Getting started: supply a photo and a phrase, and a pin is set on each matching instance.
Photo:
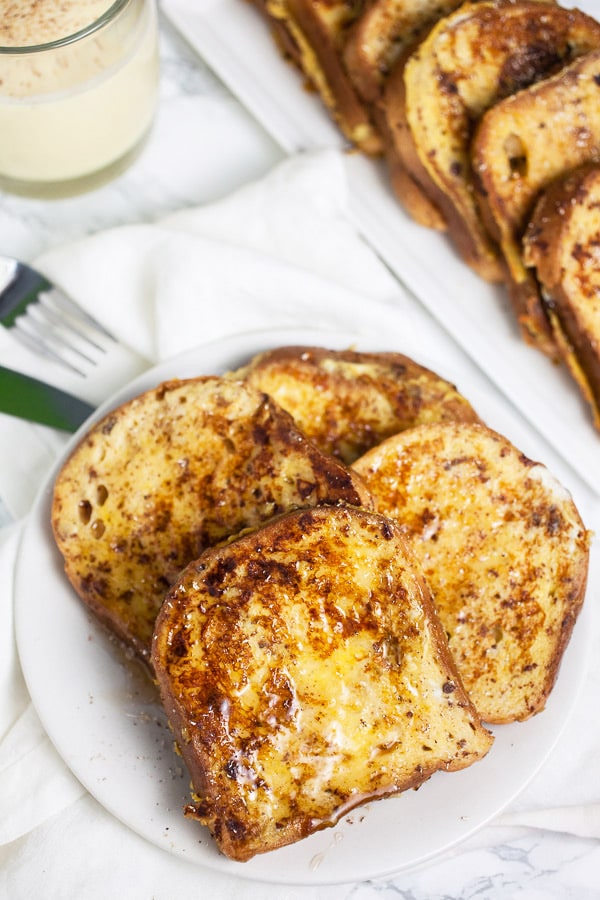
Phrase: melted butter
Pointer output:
(340, 693)
(343, 730)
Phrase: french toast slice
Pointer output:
(561, 247)
(520, 146)
(282, 34)
(312, 34)
(472, 58)
(503, 549)
(169, 473)
(377, 44)
(304, 671)
(382, 33)
(346, 401)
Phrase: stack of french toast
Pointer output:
(337, 574)
(480, 109)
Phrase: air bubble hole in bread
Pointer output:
(555, 125)
(472, 58)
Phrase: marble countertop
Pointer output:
(177, 169)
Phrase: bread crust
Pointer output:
(471, 59)
(312, 33)
(347, 401)
(169, 473)
(376, 48)
(503, 549)
(514, 160)
(406, 186)
(382, 33)
(305, 672)
(561, 247)
(282, 35)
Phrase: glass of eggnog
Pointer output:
(78, 89)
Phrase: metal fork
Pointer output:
(47, 321)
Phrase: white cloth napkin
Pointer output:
(279, 252)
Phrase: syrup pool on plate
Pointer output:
(78, 87)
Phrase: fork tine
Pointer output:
(43, 312)
(66, 343)
(47, 320)
(56, 323)
(64, 302)
(33, 342)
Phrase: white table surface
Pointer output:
(185, 164)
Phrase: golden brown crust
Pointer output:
(282, 35)
(405, 184)
(378, 45)
(503, 550)
(169, 473)
(431, 76)
(304, 671)
(382, 33)
(515, 157)
(561, 246)
(316, 30)
(469, 61)
(347, 401)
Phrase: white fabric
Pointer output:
(279, 252)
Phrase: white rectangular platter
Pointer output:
(234, 40)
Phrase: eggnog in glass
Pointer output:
(78, 88)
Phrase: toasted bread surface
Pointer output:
(473, 57)
(169, 473)
(561, 245)
(503, 549)
(317, 30)
(382, 33)
(347, 401)
(521, 145)
(304, 671)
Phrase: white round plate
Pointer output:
(102, 715)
